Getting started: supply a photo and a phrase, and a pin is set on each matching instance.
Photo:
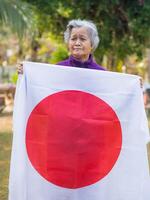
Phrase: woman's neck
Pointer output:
(81, 59)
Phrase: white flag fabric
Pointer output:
(79, 134)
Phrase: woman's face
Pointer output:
(79, 44)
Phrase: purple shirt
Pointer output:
(89, 64)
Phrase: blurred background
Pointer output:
(33, 31)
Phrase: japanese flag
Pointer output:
(79, 134)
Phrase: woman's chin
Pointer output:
(77, 56)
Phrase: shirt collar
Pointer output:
(77, 63)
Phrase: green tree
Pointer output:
(14, 14)
(123, 24)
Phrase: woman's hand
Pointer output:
(20, 68)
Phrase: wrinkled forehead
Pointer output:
(82, 31)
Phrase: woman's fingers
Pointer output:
(20, 68)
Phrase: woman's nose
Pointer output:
(78, 42)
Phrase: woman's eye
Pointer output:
(73, 39)
(83, 39)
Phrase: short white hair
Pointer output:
(91, 28)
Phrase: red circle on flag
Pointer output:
(73, 138)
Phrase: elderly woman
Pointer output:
(82, 39)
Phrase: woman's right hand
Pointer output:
(20, 68)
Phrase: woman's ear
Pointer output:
(92, 49)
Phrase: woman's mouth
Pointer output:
(77, 49)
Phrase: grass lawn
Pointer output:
(5, 149)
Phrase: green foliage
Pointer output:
(119, 66)
(14, 77)
(16, 15)
(59, 54)
(123, 24)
